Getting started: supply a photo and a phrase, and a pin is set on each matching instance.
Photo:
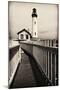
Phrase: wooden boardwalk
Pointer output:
(26, 77)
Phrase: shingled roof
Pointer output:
(25, 31)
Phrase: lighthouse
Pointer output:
(34, 24)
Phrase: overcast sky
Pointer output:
(20, 17)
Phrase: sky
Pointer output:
(19, 17)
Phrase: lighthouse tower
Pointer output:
(34, 24)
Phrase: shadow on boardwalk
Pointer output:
(28, 74)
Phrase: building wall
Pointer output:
(24, 36)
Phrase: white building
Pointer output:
(24, 35)
(34, 24)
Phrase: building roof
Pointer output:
(25, 31)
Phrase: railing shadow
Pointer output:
(40, 77)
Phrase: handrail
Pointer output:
(45, 56)
(11, 47)
(39, 68)
(14, 59)
(38, 44)
(13, 44)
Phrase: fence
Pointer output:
(14, 60)
(46, 57)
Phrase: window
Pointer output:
(35, 33)
(26, 36)
(22, 36)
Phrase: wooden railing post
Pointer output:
(48, 64)
(55, 70)
(51, 66)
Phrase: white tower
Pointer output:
(34, 24)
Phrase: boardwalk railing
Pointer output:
(14, 60)
(46, 57)
(47, 42)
